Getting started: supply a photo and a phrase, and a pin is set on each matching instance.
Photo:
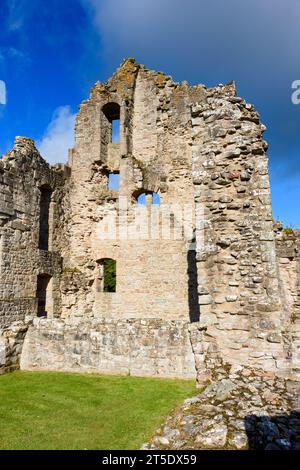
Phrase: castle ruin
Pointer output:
(201, 280)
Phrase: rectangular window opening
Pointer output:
(45, 201)
(114, 181)
(106, 280)
(115, 131)
(44, 295)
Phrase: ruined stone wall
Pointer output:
(154, 154)
(156, 276)
(288, 262)
(240, 304)
(22, 173)
(224, 268)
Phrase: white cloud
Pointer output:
(225, 40)
(59, 136)
(12, 53)
(2, 92)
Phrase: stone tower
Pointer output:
(202, 280)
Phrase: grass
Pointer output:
(48, 410)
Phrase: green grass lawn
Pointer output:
(47, 410)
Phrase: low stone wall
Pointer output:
(250, 410)
(127, 347)
(11, 343)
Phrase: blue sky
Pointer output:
(52, 52)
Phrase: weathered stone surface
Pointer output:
(11, 344)
(127, 347)
(23, 173)
(227, 270)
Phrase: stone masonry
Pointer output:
(206, 283)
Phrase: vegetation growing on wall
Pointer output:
(109, 275)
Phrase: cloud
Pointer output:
(15, 21)
(59, 136)
(254, 42)
(203, 35)
(18, 13)
(13, 53)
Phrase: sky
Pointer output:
(52, 52)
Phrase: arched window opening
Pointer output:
(148, 198)
(114, 181)
(112, 113)
(45, 201)
(44, 295)
(106, 280)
